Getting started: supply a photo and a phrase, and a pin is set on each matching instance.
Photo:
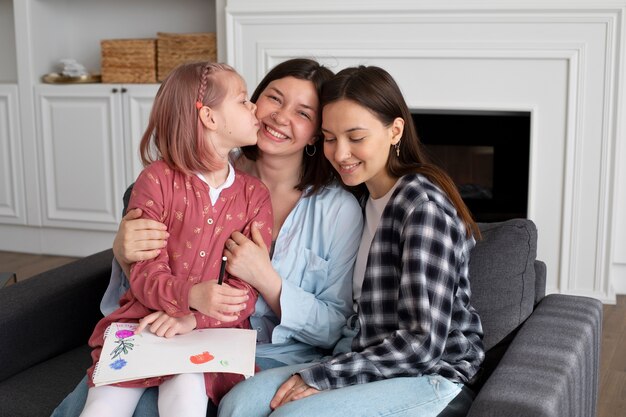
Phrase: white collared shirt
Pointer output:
(214, 193)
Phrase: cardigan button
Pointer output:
(202, 254)
(209, 221)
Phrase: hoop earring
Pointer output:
(306, 150)
(397, 148)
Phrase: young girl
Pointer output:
(417, 337)
(200, 114)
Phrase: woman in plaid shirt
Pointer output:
(417, 337)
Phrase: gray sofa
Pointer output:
(542, 351)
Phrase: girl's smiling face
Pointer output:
(357, 144)
(288, 114)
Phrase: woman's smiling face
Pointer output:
(288, 112)
(357, 144)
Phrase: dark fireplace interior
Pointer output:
(487, 156)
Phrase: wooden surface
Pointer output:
(612, 401)
(27, 265)
(612, 398)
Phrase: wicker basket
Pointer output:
(174, 49)
(128, 60)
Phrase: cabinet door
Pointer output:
(12, 193)
(80, 138)
(137, 103)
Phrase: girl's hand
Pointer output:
(222, 302)
(292, 389)
(138, 239)
(166, 326)
(248, 260)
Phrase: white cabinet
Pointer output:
(12, 195)
(137, 102)
(12, 187)
(86, 137)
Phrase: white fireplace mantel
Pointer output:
(562, 61)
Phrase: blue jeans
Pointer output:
(422, 396)
(73, 404)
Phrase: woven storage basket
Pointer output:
(128, 60)
(174, 49)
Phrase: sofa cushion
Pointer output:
(37, 391)
(502, 276)
(61, 307)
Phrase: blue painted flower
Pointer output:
(118, 364)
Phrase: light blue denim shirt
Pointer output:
(118, 285)
(314, 255)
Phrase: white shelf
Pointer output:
(74, 28)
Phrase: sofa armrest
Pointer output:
(551, 367)
(540, 281)
(51, 313)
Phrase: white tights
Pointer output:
(182, 395)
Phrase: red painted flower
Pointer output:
(203, 357)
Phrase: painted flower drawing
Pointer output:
(118, 364)
(123, 344)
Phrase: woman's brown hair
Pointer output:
(175, 131)
(374, 88)
(316, 170)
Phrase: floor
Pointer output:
(612, 402)
(26, 265)
(612, 398)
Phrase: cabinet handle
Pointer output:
(114, 90)
(124, 90)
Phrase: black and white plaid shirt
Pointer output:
(414, 312)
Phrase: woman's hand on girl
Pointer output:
(293, 389)
(138, 239)
(166, 326)
(248, 260)
(221, 302)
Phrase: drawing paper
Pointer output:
(127, 356)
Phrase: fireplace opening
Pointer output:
(487, 154)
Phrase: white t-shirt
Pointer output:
(373, 212)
